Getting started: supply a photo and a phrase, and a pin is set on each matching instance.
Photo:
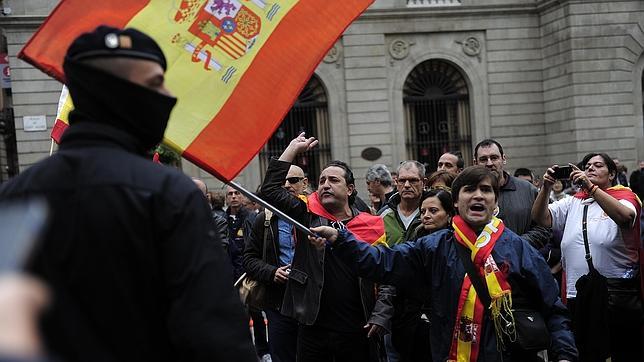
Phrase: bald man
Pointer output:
(273, 269)
(296, 182)
(220, 223)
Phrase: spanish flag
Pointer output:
(366, 227)
(236, 66)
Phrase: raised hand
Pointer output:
(548, 177)
(298, 145)
(580, 178)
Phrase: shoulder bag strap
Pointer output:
(475, 277)
(584, 230)
(267, 226)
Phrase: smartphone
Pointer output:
(562, 172)
(20, 227)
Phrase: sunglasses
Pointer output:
(294, 180)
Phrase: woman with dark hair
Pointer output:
(410, 326)
(436, 212)
(440, 180)
(609, 214)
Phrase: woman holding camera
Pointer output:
(610, 214)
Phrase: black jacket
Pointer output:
(136, 270)
(264, 270)
(306, 279)
(236, 231)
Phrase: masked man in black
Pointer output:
(136, 271)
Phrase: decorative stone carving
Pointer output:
(471, 46)
(399, 49)
(333, 56)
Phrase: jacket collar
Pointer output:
(87, 133)
(510, 185)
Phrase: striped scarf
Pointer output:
(469, 316)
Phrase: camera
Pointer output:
(562, 172)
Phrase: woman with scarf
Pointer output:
(410, 328)
(505, 268)
(611, 215)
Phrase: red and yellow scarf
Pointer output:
(469, 315)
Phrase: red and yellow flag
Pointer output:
(236, 66)
(366, 227)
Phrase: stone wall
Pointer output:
(591, 53)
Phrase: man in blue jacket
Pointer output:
(510, 273)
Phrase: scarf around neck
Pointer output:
(365, 227)
(468, 326)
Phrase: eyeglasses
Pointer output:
(294, 180)
(493, 158)
(412, 181)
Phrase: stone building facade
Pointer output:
(550, 79)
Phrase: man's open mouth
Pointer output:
(477, 207)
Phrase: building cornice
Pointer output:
(21, 21)
(404, 13)
(451, 11)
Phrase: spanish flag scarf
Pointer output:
(469, 315)
(365, 227)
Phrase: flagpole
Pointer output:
(279, 213)
(51, 148)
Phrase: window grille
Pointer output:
(437, 113)
(309, 114)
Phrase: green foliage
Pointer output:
(167, 156)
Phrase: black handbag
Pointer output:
(531, 331)
(590, 312)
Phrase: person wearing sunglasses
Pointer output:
(337, 312)
(272, 267)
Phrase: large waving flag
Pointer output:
(236, 66)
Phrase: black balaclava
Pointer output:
(101, 97)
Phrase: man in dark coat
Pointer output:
(340, 318)
(136, 271)
(270, 247)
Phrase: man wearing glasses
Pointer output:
(516, 196)
(401, 215)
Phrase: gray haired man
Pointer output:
(380, 184)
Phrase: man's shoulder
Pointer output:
(521, 184)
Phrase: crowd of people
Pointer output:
(461, 263)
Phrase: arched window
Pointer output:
(437, 113)
(309, 114)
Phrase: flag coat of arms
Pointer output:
(236, 66)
